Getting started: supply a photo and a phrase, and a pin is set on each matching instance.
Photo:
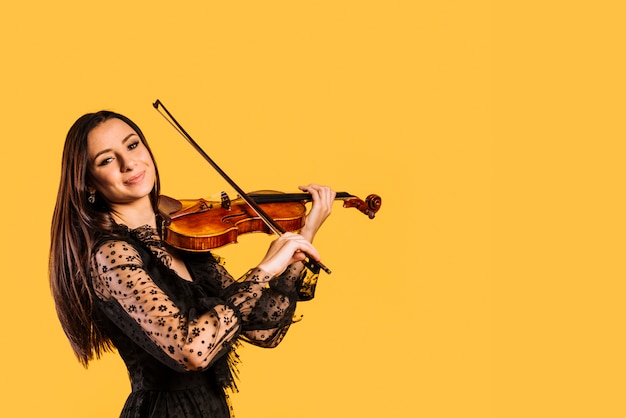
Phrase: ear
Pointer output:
(91, 189)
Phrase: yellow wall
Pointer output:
(489, 285)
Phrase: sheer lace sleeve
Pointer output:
(187, 325)
(267, 318)
(119, 276)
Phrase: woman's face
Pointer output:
(121, 167)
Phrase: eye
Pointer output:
(133, 145)
(105, 161)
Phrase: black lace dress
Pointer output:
(178, 337)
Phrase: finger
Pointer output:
(324, 192)
(328, 195)
(295, 243)
(310, 188)
(321, 194)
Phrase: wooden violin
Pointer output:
(225, 223)
(202, 225)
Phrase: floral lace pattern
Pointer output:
(121, 276)
(192, 323)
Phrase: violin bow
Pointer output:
(309, 262)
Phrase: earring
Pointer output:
(92, 197)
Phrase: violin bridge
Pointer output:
(225, 201)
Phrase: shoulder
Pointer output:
(109, 258)
(113, 252)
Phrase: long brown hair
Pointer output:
(76, 226)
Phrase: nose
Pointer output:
(127, 164)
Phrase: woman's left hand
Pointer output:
(323, 198)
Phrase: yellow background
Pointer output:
(489, 285)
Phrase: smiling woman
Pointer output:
(121, 168)
(176, 318)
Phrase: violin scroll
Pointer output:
(369, 207)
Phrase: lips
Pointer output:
(135, 179)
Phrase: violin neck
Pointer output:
(291, 197)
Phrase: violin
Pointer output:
(250, 211)
(202, 225)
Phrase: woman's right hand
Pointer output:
(285, 250)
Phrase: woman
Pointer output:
(174, 317)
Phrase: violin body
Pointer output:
(201, 225)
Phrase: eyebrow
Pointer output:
(104, 151)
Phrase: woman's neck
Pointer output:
(134, 215)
